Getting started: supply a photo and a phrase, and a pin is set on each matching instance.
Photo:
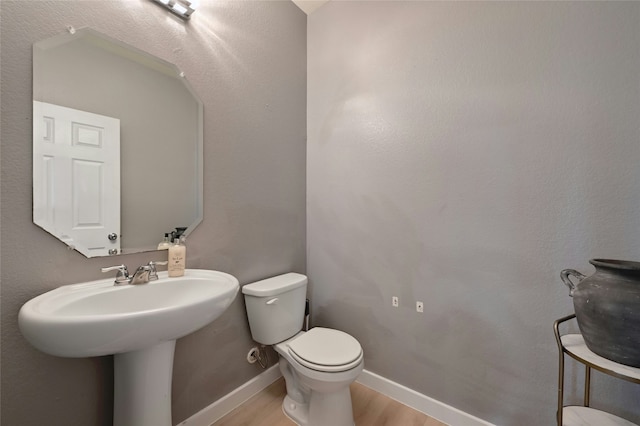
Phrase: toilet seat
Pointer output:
(325, 349)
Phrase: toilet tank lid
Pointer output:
(275, 285)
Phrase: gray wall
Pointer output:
(463, 154)
(247, 62)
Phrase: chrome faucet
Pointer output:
(143, 274)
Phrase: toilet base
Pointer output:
(322, 409)
(332, 408)
(295, 411)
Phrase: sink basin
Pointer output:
(139, 324)
(97, 318)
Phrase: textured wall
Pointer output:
(462, 154)
(247, 62)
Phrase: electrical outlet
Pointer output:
(419, 306)
(394, 302)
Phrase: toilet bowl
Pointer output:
(318, 365)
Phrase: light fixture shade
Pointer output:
(182, 8)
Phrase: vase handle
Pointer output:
(565, 279)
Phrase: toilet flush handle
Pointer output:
(272, 301)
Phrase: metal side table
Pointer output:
(574, 346)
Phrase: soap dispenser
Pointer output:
(177, 258)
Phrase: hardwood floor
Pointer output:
(370, 408)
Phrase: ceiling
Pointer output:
(308, 6)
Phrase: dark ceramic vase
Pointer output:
(607, 306)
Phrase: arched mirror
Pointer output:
(117, 145)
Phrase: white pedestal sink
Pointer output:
(139, 324)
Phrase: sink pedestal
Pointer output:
(142, 386)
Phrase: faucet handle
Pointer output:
(122, 277)
(153, 271)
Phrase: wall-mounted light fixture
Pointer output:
(182, 8)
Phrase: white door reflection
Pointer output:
(76, 164)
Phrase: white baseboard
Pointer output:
(429, 406)
(214, 412)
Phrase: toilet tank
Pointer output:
(275, 307)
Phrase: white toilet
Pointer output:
(318, 365)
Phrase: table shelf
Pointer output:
(586, 416)
(575, 347)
